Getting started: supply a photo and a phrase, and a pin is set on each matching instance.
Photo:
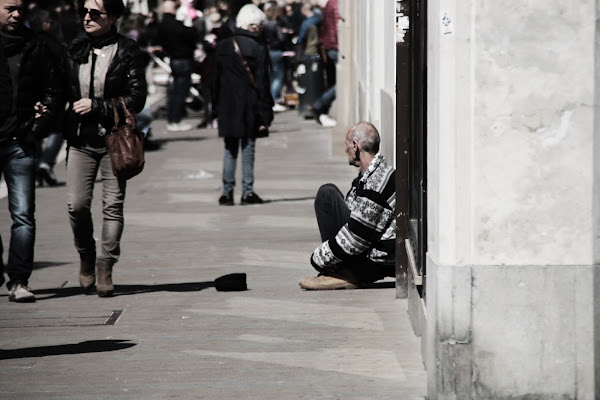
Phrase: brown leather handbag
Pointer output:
(125, 143)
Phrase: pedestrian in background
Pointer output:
(328, 37)
(179, 43)
(275, 39)
(34, 95)
(103, 65)
(44, 24)
(242, 100)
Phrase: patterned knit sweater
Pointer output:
(371, 231)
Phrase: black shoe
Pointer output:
(46, 174)
(251, 198)
(151, 145)
(226, 199)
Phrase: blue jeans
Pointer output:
(144, 120)
(181, 70)
(324, 102)
(277, 73)
(51, 149)
(232, 146)
(19, 173)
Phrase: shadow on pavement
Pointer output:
(125, 290)
(289, 199)
(161, 141)
(380, 285)
(89, 346)
(48, 264)
(60, 184)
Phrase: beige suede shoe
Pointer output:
(323, 282)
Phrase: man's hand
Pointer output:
(82, 106)
(40, 109)
(262, 128)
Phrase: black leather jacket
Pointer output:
(125, 77)
(40, 79)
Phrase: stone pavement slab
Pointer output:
(168, 333)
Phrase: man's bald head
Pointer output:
(367, 135)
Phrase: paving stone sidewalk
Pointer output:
(168, 334)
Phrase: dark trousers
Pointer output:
(181, 70)
(331, 211)
(19, 174)
(332, 214)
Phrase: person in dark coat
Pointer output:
(34, 97)
(5, 86)
(102, 65)
(242, 100)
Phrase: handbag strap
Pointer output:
(115, 111)
(126, 112)
(244, 62)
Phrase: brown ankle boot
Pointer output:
(104, 286)
(87, 273)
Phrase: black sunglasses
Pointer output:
(94, 14)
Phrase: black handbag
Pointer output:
(125, 143)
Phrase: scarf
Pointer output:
(83, 44)
(13, 44)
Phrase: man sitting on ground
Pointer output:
(358, 232)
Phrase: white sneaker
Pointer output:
(326, 121)
(20, 294)
(279, 108)
(179, 127)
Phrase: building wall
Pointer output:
(366, 70)
(512, 199)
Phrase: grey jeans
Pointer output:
(83, 164)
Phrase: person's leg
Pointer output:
(330, 67)
(45, 172)
(331, 211)
(182, 80)
(19, 174)
(52, 147)
(82, 168)
(324, 102)
(113, 198)
(248, 149)
(277, 73)
(2, 166)
(229, 163)
(144, 120)
(366, 271)
(2, 280)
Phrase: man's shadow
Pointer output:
(89, 346)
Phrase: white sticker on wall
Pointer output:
(447, 24)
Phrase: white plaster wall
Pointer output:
(513, 210)
(510, 104)
(533, 132)
(374, 69)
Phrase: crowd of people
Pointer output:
(62, 69)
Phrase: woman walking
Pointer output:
(242, 100)
(103, 65)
